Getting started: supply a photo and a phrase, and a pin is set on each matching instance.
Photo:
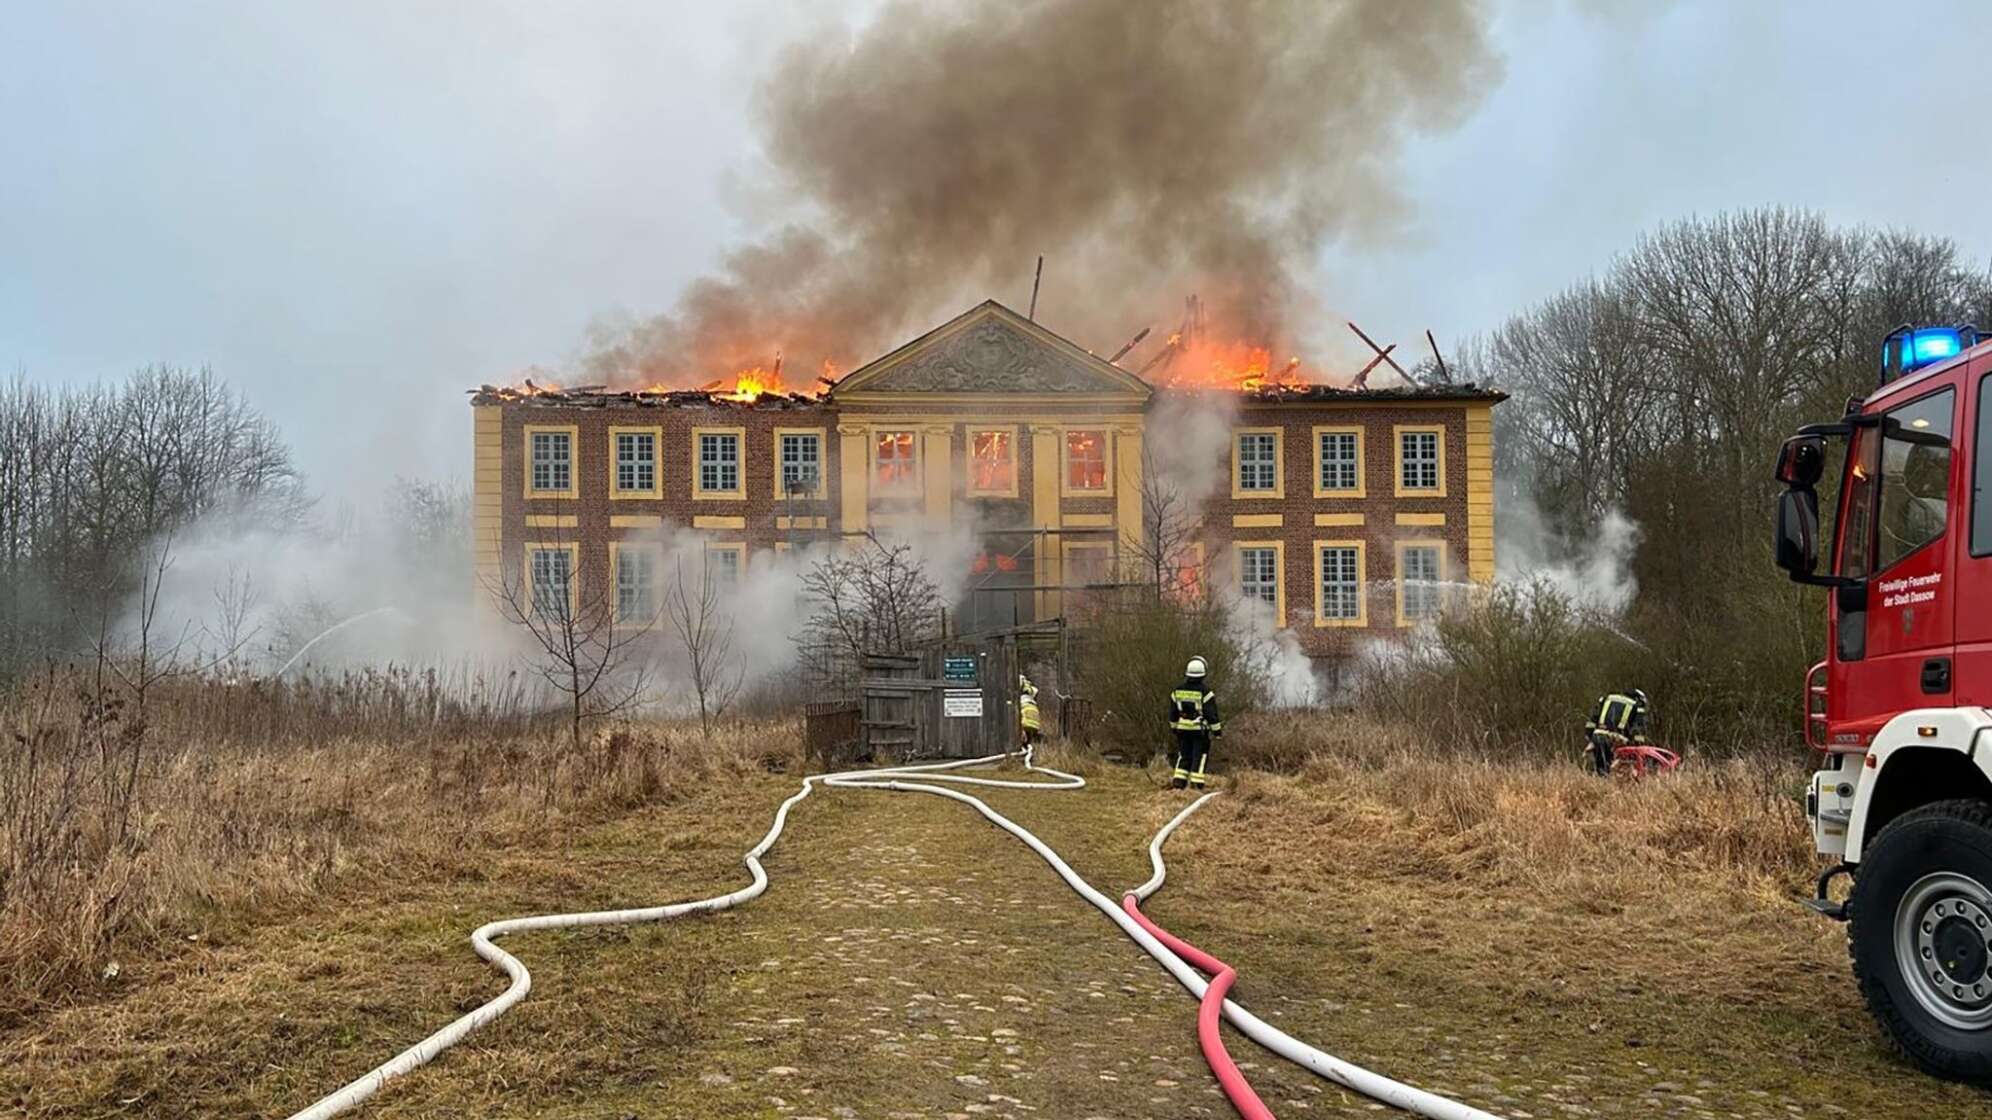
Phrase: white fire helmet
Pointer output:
(1195, 669)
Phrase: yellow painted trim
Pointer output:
(719, 521)
(1480, 494)
(1421, 518)
(1257, 520)
(573, 432)
(784, 521)
(739, 491)
(1047, 470)
(1107, 464)
(1131, 387)
(968, 461)
(822, 463)
(1397, 573)
(635, 521)
(1332, 520)
(656, 490)
(1362, 584)
(918, 473)
(1128, 455)
(552, 521)
(1362, 461)
(1279, 575)
(854, 479)
(487, 500)
(1278, 492)
(937, 471)
(616, 550)
(573, 550)
(1397, 434)
(901, 420)
(1089, 520)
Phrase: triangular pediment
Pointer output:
(991, 349)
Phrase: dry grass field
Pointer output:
(1532, 940)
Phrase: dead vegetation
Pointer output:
(118, 822)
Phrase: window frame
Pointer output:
(573, 551)
(822, 463)
(1361, 488)
(1879, 513)
(1981, 469)
(969, 488)
(573, 434)
(1321, 616)
(1398, 432)
(1066, 549)
(1403, 546)
(1278, 548)
(739, 490)
(656, 489)
(1065, 487)
(1278, 490)
(738, 549)
(617, 549)
(915, 485)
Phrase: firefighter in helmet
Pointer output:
(1027, 711)
(1617, 719)
(1193, 717)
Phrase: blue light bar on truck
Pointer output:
(1907, 349)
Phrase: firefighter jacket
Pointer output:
(1192, 707)
(1027, 712)
(1619, 714)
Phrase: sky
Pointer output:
(355, 211)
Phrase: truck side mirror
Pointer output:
(1797, 548)
(1802, 462)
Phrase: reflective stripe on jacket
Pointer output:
(1027, 712)
(1192, 708)
(1619, 714)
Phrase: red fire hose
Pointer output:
(1209, 1011)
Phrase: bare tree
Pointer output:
(703, 626)
(1164, 556)
(578, 644)
(871, 596)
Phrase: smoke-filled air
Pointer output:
(1150, 152)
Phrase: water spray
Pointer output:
(333, 629)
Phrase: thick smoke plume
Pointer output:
(1148, 150)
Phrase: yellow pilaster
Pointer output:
(854, 473)
(938, 459)
(487, 500)
(1480, 493)
(1045, 465)
(1127, 489)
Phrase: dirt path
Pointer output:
(911, 961)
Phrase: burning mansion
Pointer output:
(1339, 510)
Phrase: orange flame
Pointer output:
(1201, 363)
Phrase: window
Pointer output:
(635, 458)
(1421, 461)
(1915, 477)
(549, 462)
(896, 463)
(1088, 562)
(1256, 473)
(1259, 574)
(1339, 570)
(1981, 483)
(1419, 577)
(800, 463)
(992, 462)
(718, 466)
(1086, 462)
(1338, 462)
(636, 583)
(723, 564)
(550, 569)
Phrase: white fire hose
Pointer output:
(1369, 1084)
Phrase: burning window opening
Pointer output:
(992, 461)
(1086, 460)
(895, 466)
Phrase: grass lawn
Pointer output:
(910, 960)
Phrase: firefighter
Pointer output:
(1027, 711)
(1617, 719)
(1193, 717)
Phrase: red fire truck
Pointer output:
(1898, 710)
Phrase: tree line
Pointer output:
(1660, 390)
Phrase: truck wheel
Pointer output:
(1921, 936)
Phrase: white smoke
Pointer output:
(1595, 571)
